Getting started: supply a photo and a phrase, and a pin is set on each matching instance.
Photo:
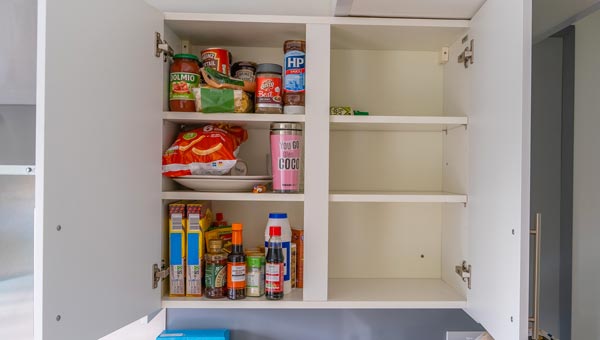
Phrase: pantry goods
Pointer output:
(216, 270)
(211, 100)
(281, 220)
(184, 76)
(177, 249)
(294, 70)
(274, 270)
(236, 265)
(255, 274)
(298, 240)
(198, 219)
(268, 89)
(217, 58)
(210, 150)
(244, 70)
(220, 80)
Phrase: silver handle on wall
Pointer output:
(537, 232)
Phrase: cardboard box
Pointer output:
(198, 334)
(199, 217)
(177, 221)
(298, 239)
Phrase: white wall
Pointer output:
(586, 186)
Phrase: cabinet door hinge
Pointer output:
(162, 47)
(464, 271)
(159, 273)
(467, 57)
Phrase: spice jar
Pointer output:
(268, 89)
(184, 75)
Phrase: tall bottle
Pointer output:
(236, 265)
(281, 219)
(216, 270)
(274, 270)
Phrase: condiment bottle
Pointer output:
(184, 75)
(274, 270)
(268, 89)
(215, 274)
(236, 265)
(293, 76)
(281, 220)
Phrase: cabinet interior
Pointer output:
(397, 249)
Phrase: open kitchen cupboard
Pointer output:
(392, 202)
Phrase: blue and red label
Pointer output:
(294, 69)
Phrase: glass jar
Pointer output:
(268, 95)
(215, 274)
(184, 75)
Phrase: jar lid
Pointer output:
(244, 63)
(185, 56)
(215, 243)
(286, 126)
(269, 68)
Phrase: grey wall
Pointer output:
(586, 185)
(251, 324)
(546, 172)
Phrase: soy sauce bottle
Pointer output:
(236, 265)
(274, 269)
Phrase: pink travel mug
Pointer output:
(286, 153)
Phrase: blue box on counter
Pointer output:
(194, 334)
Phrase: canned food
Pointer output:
(255, 274)
(218, 59)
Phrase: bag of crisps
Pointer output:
(209, 150)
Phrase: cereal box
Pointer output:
(177, 220)
(198, 220)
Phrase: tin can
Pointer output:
(286, 154)
(218, 59)
(255, 274)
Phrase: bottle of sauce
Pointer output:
(215, 274)
(281, 220)
(293, 76)
(274, 265)
(184, 75)
(236, 265)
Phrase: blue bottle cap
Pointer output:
(278, 215)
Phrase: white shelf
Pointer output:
(393, 293)
(231, 196)
(248, 120)
(26, 170)
(346, 293)
(396, 197)
(396, 123)
(292, 300)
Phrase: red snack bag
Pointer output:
(209, 150)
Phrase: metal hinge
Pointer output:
(467, 56)
(464, 271)
(159, 274)
(162, 47)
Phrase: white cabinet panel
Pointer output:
(98, 167)
(499, 167)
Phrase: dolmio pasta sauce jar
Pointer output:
(286, 155)
(184, 75)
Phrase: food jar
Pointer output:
(268, 89)
(244, 70)
(184, 75)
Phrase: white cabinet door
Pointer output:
(499, 133)
(98, 156)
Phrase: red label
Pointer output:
(268, 90)
(216, 58)
(274, 277)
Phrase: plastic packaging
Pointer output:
(281, 219)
